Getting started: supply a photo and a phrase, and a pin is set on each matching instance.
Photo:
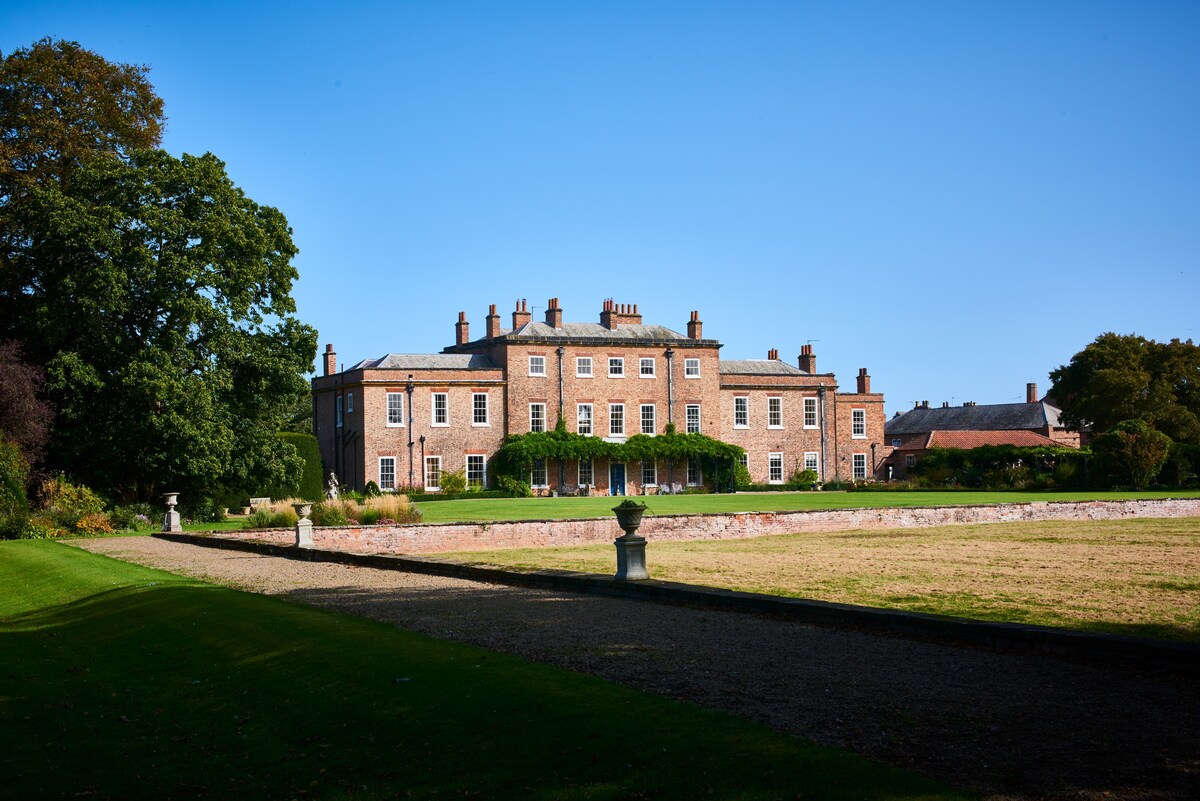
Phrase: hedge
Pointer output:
(312, 485)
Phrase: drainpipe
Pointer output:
(670, 407)
(408, 388)
(424, 478)
(821, 408)
(561, 416)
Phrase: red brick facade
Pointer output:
(621, 375)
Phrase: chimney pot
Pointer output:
(807, 360)
(695, 328)
(461, 335)
(864, 382)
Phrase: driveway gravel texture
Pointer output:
(1007, 725)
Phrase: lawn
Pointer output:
(124, 682)
(1138, 577)
(565, 508)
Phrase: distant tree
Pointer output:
(1131, 453)
(24, 416)
(1127, 377)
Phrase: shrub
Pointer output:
(205, 510)
(804, 479)
(277, 514)
(334, 513)
(513, 487)
(40, 528)
(371, 490)
(1131, 453)
(394, 508)
(453, 481)
(66, 504)
(133, 517)
(14, 506)
(92, 524)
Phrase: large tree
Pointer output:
(153, 291)
(1127, 377)
(24, 415)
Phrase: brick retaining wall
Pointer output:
(440, 537)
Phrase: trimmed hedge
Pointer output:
(427, 497)
(312, 485)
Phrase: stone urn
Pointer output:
(631, 548)
(171, 524)
(629, 517)
(303, 510)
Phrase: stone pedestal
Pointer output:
(171, 524)
(631, 558)
(303, 525)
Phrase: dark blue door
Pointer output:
(616, 479)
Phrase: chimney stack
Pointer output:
(615, 314)
(773, 355)
(554, 315)
(492, 322)
(521, 315)
(695, 327)
(924, 404)
(808, 360)
(1031, 393)
(864, 382)
(330, 360)
(461, 330)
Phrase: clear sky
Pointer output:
(957, 196)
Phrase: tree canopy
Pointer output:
(1127, 377)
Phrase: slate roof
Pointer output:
(428, 361)
(758, 367)
(645, 333)
(975, 439)
(985, 417)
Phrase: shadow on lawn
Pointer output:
(1007, 723)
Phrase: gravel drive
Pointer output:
(1011, 726)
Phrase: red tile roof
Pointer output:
(974, 439)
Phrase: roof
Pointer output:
(988, 417)
(428, 361)
(977, 439)
(644, 333)
(758, 367)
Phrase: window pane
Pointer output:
(693, 419)
(583, 366)
(649, 474)
(537, 365)
(537, 476)
(387, 472)
(693, 471)
(395, 409)
(647, 418)
(616, 419)
(616, 366)
(479, 405)
(441, 410)
(691, 368)
(775, 412)
(741, 412)
(775, 468)
(433, 472)
(584, 418)
(476, 470)
(646, 367)
(585, 472)
(537, 417)
(810, 412)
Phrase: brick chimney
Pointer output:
(1031, 393)
(461, 330)
(808, 359)
(773, 355)
(553, 313)
(615, 314)
(864, 382)
(330, 360)
(695, 327)
(521, 315)
(492, 322)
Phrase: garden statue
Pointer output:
(331, 491)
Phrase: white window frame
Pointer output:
(810, 412)
(487, 411)
(436, 473)
(388, 409)
(537, 361)
(774, 463)
(744, 460)
(695, 474)
(580, 361)
(533, 474)
(687, 418)
(858, 424)
(812, 461)
(591, 477)
(642, 419)
(650, 468)
(643, 363)
(349, 403)
(433, 409)
(611, 408)
(691, 368)
(775, 408)
(532, 407)
(338, 413)
(617, 362)
(744, 402)
(468, 457)
(858, 464)
(591, 419)
(383, 485)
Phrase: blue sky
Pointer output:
(957, 196)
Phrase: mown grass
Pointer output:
(122, 682)
(490, 509)
(1135, 577)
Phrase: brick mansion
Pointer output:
(404, 419)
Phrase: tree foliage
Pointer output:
(24, 415)
(1131, 453)
(1127, 377)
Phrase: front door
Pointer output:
(616, 479)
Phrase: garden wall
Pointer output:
(437, 537)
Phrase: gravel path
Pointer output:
(1010, 726)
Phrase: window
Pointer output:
(774, 412)
(616, 419)
(583, 418)
(648, 418)
(395, 409)
(910, 460)
(537, 365)
(476, 470)
(744, 460)
(616, 367)
(896, 443)
(741, 412)
(774, 468)
(537, 417)
(433, 472)
(649, 474)
(349, 403)
(441, 409)
(858, 424)
(583, 366)
(810, 412)
(691, 368)
(479, 409)
(812, 461)
(537, 476)
(586, 476)
(339, 411)
(387, 472)
(692, 418)
(693, 472)
(859, 464)
(646, 368)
